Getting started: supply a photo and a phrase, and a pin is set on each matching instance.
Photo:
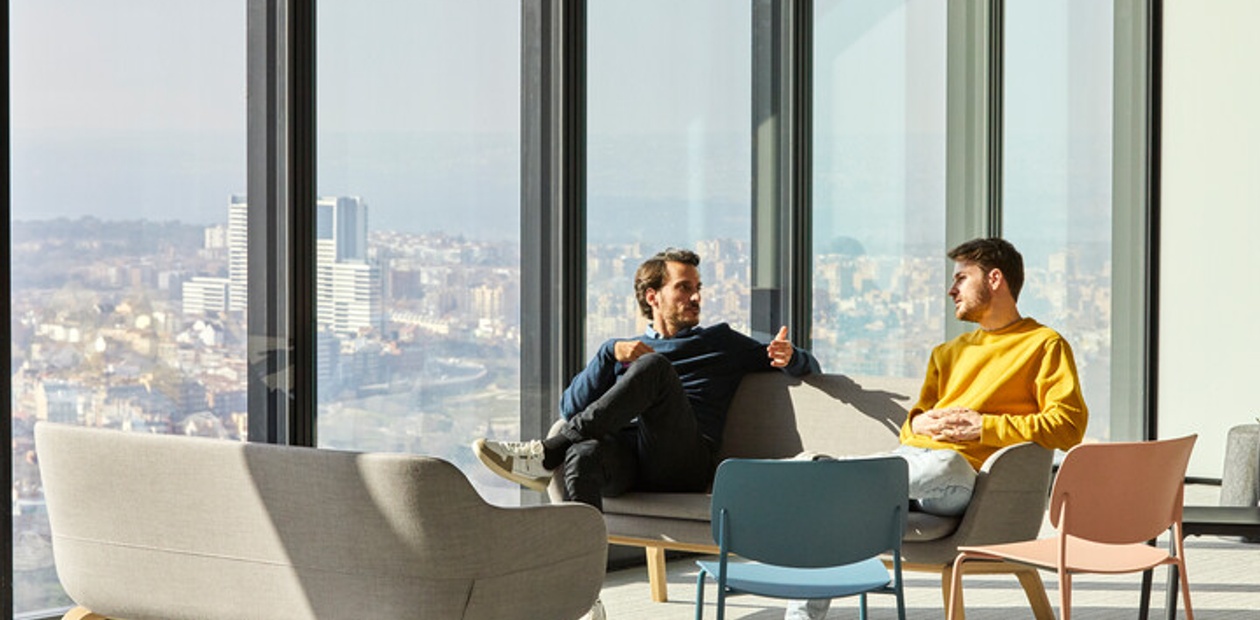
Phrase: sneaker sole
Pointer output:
(488, 459)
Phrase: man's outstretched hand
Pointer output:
(780, 349)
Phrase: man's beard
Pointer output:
(683, 320)
(974, 311)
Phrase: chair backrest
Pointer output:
(810, 513)
(1120, 493)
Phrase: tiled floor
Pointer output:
(1224, 584)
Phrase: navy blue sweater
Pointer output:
(710, 361)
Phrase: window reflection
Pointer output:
(668, 153)
(418, 224)
(1056, 197)
(128, 140)
(879, 185)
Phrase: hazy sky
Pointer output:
(136, 109)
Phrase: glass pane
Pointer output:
(1057, 177)
(418, 224)
(128, 154)
(879, 185)
(668, 153)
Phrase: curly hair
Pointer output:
(652, 273)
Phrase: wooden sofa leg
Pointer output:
(80, 613)
(1030, 579)
(657, 579)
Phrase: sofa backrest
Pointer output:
(160, 526)
(774, 415)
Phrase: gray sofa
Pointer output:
(774, 415)
(167, 527)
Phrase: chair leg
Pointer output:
(721, 600)
(951, 583)
(1035, 590)
(862, 606)
(1185, 588)
(657, 580)
(947, 586)
(1065, 594)
(700, 595)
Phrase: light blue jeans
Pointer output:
(941, 482)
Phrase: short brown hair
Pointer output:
(994, 253)
(652, 274)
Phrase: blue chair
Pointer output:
(807, 529)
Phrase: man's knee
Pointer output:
(652, 364)
(941, 481)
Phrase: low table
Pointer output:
(1198, 521)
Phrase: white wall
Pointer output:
(1209, 332)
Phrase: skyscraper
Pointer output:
(348, 285)
(238, 247)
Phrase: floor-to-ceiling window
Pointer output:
(879, 276)
(668, 153)
(128, 205)
(127, 132)
(1057, 181)
(417, 227)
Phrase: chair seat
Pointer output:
(1082, 555)
(802, 583)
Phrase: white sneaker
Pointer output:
(596, 612)
(518, 461)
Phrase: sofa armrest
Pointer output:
(1011, 496)
(1008, 504)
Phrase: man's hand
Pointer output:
(780, 349)
(627, 351)
(955, 424)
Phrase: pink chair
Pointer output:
(1108, 500)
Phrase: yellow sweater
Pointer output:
(1022, 378)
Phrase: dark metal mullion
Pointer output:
(1154, 99)
(997, 51)
(799, 226)
(6, 313)
(573, 202)
(302, 214)
(553, 231)
(281, 192)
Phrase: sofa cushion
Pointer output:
(691, 506)
(921, 526)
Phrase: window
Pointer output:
(128, 133)
(669, 154)
(1057, 184)
(418, 226)
(879, 185)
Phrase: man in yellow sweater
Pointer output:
(1011, 380)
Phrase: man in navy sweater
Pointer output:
(647, 413)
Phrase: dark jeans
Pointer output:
(662, 450)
